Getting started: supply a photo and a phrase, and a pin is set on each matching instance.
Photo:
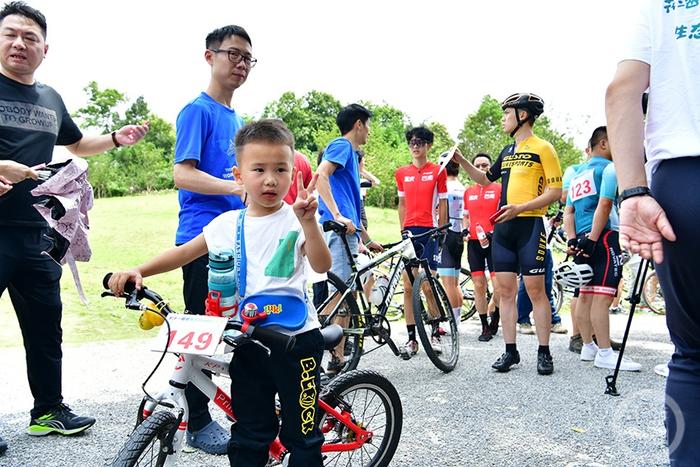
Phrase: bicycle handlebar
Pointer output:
(405, 236)
(133, 297)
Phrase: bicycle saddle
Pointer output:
(331, 336)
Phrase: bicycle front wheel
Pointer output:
(557, 296)
(435, 322)
(651, 292)
(343, 310)
(144, 447)
(372, 403)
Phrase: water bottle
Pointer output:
(379, 290)
(222, 284)
(481, 236)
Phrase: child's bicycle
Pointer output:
(359, 413)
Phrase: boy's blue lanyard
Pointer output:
(240, 255)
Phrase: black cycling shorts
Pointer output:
(451, 256)
(607, 265)
(519, 246)
(479, 258)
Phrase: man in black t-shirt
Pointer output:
(33, 120)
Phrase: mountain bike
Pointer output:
(359, 413)
(431, 306)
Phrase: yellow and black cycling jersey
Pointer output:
(527, 169)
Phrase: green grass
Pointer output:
(125, 232)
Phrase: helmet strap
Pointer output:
(520, 122)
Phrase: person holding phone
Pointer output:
(531, 182)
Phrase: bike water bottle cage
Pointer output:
(280, 309)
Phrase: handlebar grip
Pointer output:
(334, 226)
(128, 287)
(273, 338)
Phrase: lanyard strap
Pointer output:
(240, 256)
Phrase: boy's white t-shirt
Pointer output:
(666, 36)
(274, 261)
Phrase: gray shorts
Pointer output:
(340, 262)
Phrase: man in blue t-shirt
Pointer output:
(339, 190)
(204, 158)
(592, 239)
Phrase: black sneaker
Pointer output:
(506, 361)
(615, 345)
(575, 343)
(545, 365)
(493, 325)
(3, 446)
(61, 420)
(485, 334)
(334, 366)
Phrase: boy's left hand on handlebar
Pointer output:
(119, 279)
(375, 246)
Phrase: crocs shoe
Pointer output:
(212, 439)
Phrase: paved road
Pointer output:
(471, 416)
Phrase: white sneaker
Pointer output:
(661, 369)
(610, 361)
(525, 328)
(588, 353)
(436, 344)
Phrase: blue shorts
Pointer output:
(426, 247)
(340, 265)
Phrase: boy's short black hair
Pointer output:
(350, 114)
(22, 9)
(598, 135)
(268, 131)
(420, 132)
(452, 168)
(482, 154)
(217, 36)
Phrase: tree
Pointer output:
(482, 132)
(146, 166)
(306, 117)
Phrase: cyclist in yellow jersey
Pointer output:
(531, 182)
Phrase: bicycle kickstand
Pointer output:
(634, 298)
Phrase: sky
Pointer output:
(433, 60)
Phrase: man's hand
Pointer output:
(375, 246)
(349, 226)
(510, 211)
(119, 279)
(643, 224)
(131, 134)
(306, 204)
(5, 185)
(571, 246)
(14, 172)
(585, 247)
(458, 157)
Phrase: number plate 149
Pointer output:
(192, 334)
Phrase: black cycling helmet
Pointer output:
(532, 103)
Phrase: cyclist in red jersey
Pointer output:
(481, 202)
(420, 184)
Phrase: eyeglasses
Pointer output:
(235, 56)
(417, 142)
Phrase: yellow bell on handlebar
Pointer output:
(150, 318)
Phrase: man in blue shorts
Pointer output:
(663, 223)
(204, 159)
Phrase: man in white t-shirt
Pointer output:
(662, 223)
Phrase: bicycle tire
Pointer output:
(143, 440)
(426, 322)
(466, 285)
(354, 331)
(652, 294)
(378, 391)
(557, 295)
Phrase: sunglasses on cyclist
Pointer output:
(417, 142)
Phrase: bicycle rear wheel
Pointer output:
(342, 306)
(144, 447)
(467, 287)
(557, 295)
(374, 404)
(432, 314)
(651, 292)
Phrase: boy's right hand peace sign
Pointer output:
(306, 204)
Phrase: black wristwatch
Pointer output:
(632, 192)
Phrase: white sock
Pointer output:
(605, 352)
(457, 312)
(591, 346)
